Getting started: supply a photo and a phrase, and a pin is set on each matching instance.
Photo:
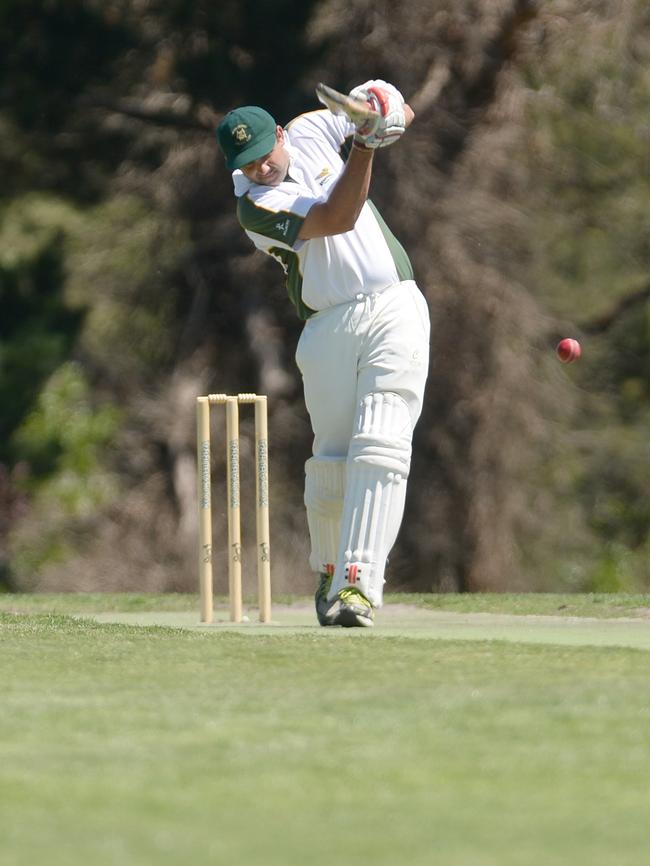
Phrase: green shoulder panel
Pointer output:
(276, 225)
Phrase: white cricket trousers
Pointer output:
(364, 366)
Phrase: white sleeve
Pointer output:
(333, 128)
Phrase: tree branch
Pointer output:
(204, 119)
(499, 51)
(602, 324)
(462, 87)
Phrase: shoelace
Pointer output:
(354, 595)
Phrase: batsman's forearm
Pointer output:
(349, 194)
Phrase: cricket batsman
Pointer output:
(302, 198)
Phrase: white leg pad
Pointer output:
(377, 471)
(324, 491)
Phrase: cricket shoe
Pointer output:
(323, 606)
(354, 609)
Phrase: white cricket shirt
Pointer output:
(321, 272)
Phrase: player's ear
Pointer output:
(279, 134)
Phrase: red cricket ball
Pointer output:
(568, 350)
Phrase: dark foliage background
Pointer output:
(127, 288)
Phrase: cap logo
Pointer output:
(241, 134)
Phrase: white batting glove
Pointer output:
(389, 103)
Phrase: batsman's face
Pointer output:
(271, 169)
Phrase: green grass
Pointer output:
(599, 605)
(136, 746)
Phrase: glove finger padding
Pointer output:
(393, 122)
(389, 103)
(362, 90)
(368, 127)
(375, 141)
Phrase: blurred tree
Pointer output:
(446, 190)
(52, 54)
(37, 329)
(520, 193)
(590, 192)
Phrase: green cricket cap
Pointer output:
(245, 134)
